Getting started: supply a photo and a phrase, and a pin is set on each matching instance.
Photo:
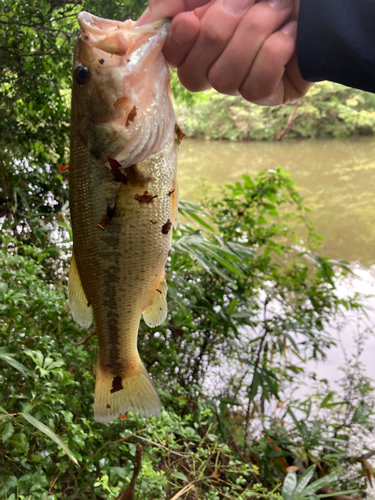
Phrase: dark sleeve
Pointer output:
(336, 42)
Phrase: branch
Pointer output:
(366, 456)
(280, 135)
(128, 494)
(86, 338)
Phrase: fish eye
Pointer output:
(82, 74)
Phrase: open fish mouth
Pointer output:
(119, 38)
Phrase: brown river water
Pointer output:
(337, 181)
(335, 177)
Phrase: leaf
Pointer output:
(320, 483)
(303, 481)
(7, 432)
(232, 306)
(18, 366)
(359, 412)
(336, 493)
(48, 432)
(288, 486)
(201, 221)
(326, 400)
(179, 475)
(228, 401)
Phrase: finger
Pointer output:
(295, 86)
(200, 11)
(230, 70)
(158, 9)
(217, 27)
(181, 37)
(264, 83)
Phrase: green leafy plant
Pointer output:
(302, 489)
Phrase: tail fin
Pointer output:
(115, 394)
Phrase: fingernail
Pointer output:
(236, 6)
(280, 4)
(145, 17)
(290, 28)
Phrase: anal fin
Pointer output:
(157, 310)
(78, 303)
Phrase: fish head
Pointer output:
(121, 88)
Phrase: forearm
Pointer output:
(336, 42)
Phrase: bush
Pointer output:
(249, 302)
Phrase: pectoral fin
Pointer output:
(78, 303)
(157, 310)
(175, 200)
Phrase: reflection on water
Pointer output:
(335, 177)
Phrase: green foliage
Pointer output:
(301, 489)
(248, 302)
(328, 110)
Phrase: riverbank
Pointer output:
(328, 110)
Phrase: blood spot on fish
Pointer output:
(146, 197)
(121, 102)
(153, 221)
(179, 134)
(131, 116)
(118, 175)
(171, 192)
(108, 406)
(103, 223)
(167, 227)
(101, 61)
(116, 384)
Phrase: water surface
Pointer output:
(335, 177)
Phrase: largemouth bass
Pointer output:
(123, 200)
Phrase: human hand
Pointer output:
(237, 47)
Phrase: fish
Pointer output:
(123, 200)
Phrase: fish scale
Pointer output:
(122, 231)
